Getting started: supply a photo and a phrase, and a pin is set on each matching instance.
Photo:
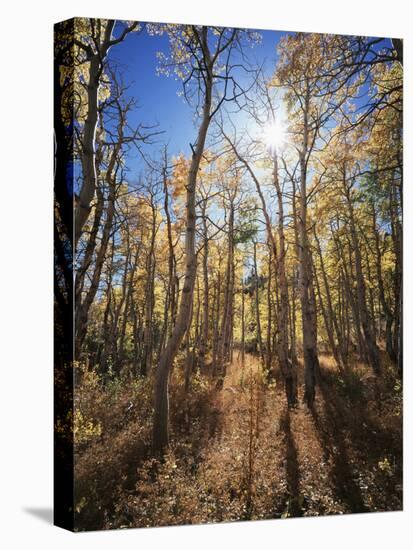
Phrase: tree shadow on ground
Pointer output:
(358, 409)
(332, 440)
(293, 504)
(353, 436)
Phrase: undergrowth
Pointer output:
(238, 453)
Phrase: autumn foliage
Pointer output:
(238, 307)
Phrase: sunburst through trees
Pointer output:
(238, 271)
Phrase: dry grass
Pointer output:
(241, 453)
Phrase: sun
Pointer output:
(274, 135)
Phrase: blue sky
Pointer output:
(157, 95)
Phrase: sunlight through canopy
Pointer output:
(274, 135)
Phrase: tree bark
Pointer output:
(150, 299)
(311, 365)
(205, 302)
(88, 158)
(160, 435)
(82, 306)
(257, 306)
(225, 333)
(268, 355)
(287, 366)
(331, 318)
(366, 323)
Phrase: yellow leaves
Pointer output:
(299, 53)
(179, 36)
(83, 429)
(388, 259)
(180, 175)
(385, 466)
(181, 166)
(80, 505)
(75, 67)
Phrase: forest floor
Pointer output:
(345, 454)
(241, 453)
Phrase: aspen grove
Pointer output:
(238, 301)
